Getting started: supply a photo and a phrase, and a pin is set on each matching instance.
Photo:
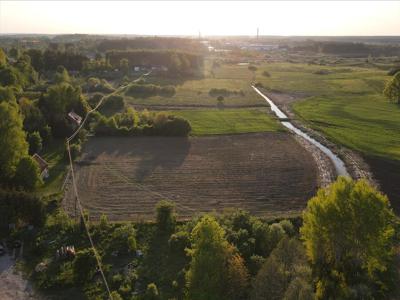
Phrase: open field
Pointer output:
(348, 107)
(229, 121)
(195, 92)
(199, 174)
(346, 104)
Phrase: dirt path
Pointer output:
(13, 286)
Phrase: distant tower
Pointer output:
(257, 32)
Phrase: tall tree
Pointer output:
(213, 264)
(348, 233)
(12, 140)
(392, 88)
(280, 273)
(27, 174)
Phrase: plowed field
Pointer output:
(268, 174)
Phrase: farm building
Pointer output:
(43, 165)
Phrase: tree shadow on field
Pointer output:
(149, 153)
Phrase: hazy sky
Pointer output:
(211, 18)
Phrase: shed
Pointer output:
(75, 117)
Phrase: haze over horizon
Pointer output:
(290, 18)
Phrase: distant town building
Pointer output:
(43, 165)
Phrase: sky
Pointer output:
(207, 17)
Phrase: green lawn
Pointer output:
(229, 121)
(346, 105)
(54, 156)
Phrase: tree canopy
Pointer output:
(348, 233)
(392, 88)
(12, 140)
(215, 271)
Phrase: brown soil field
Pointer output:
(268, 174)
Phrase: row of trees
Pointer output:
(131, 123)
(49, 60)
(149, 90)
(177, 63)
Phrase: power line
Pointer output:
(77, 200)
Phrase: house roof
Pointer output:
(43, 165)
(75, 117)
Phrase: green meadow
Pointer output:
(195, 92)
(345, 103)
(229, 121)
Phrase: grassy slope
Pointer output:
(347, 105)
(229, 121)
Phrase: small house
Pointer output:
(77, 119)
(43, 166)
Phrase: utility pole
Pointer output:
(257, 32)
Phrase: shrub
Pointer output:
(220, 99)
(84, 266)
(252, 68)
(266, 74)
(215, 92)
(112, 103)
(35, 142)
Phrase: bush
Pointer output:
(252, 68)
(266, 74)
(84, 266)
(220, 99)
(112, 103)
(35, 142)
(214, 92)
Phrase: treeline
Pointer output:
(347, 48)
(176, 62)
(191, 45)
(49, 60)
(134, 123)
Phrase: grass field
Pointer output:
(54, 156)
(229, 121)
(196, 92)
(199, 174)
(346, 104)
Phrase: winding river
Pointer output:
(337, 162)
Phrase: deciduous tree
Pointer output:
(12, 140)
(348, 233)
(392, 88)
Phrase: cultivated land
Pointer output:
(125, 177)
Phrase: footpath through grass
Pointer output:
(345, 103)
(229, 121)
